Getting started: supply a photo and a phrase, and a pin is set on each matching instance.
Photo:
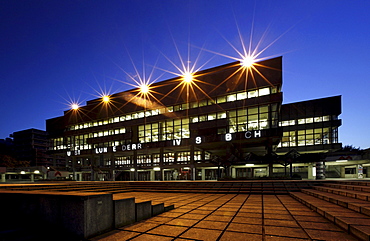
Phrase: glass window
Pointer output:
(301, 121)
(309, 120)
(194, 119)
(221, 115)
(264, 109)
(231, 98)
(264, 91)
(202, 118)
(221, 99)
(202, 103)
(318, 119)
(212, 116)
(177, 108)
(252, 111)
(232, 113)
(241, 96)
(253, 93)
(194, 105)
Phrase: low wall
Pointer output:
(71, 214)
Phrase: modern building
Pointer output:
(226, 121)
(31, 146)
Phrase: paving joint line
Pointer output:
(294, 217)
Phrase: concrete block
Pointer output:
(157, 208)
(143, 210)
(124, 211)
(169, 207)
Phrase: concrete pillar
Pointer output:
(310, 174)
(136, 176)
(3, 178)
(360, 171)
(270, 169)
(203, 174)
(152, 175)
(342, 171)
(112, 167)
(320, 170)
(161, 151)
(233, 172)
(32, 177)
(192, 163)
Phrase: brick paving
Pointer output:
(228, 217)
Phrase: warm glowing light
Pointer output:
(106, 98)
(74, 106)
(248, 61)
(144, 89)
(37, 172)
(188, 77)
(23, 172)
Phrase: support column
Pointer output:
(203, 174)
(74, 168)
(161, 164)
(136, 177)
(310, 172)
(360, 171)
(270, 160)
(192, 163)
(320, 170)
(32, 177)
(112, 167)
(233, 172)
(342, 171)
(3, 177)
(152, 175)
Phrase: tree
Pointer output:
(9, 161)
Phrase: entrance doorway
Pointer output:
(260, 172)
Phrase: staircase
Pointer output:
(346, 203)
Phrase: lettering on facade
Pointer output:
(101, 150)
(198, 140)
(132, 147)
(250, 134)
(228, 137)
(176, 142)
(75, 153)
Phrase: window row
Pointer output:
(79, 142)
(305, 121)
(164, 130)
(309, 137)
(221, 99)
(169, 158)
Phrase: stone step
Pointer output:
(357, 183)
(349, 187)
(357, 205)
(348, 193)
(353, 222)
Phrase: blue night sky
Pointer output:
(55, 52)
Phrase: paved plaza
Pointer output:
(229, 217)
(237, 210)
